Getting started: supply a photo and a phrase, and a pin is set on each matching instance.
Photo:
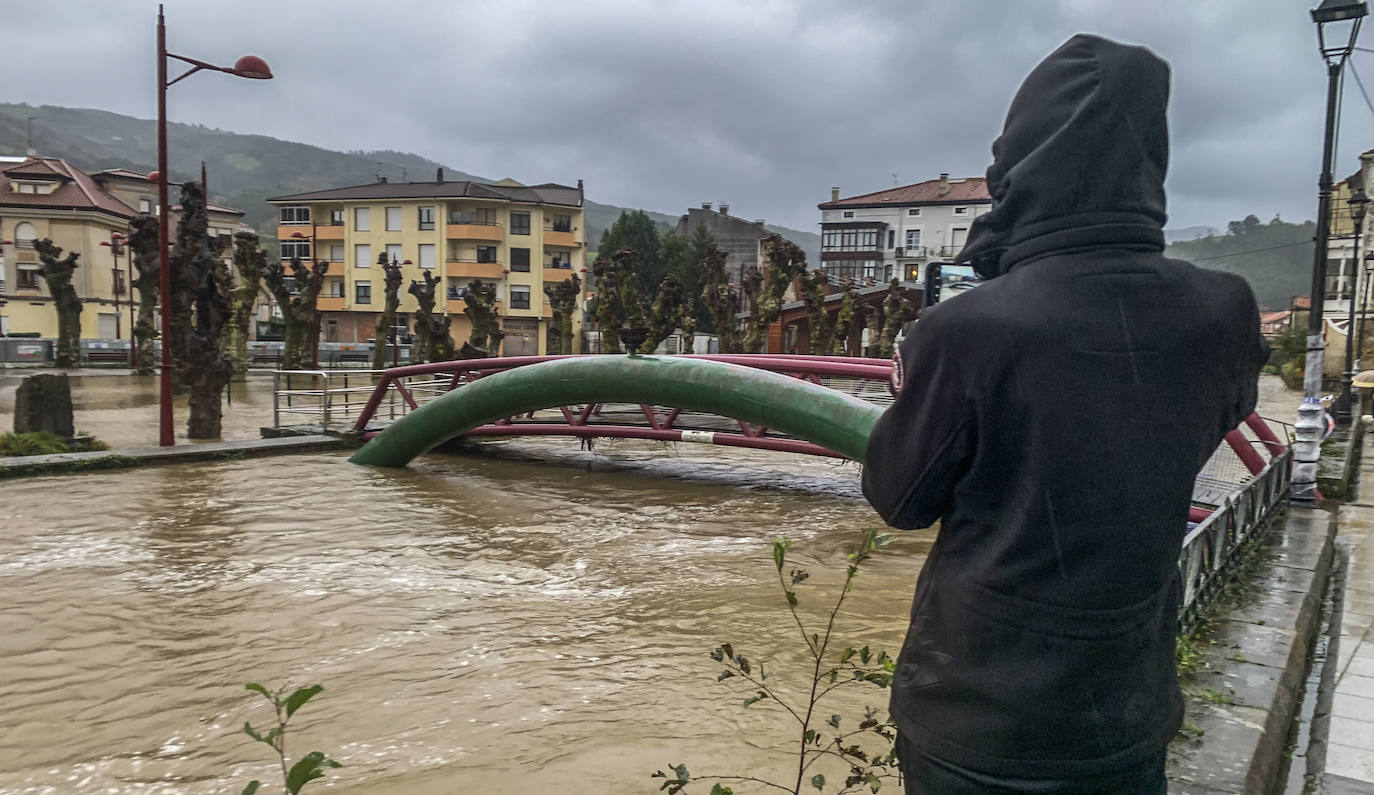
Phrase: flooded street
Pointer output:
(534, 619)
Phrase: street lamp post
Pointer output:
(1310, 424)
(1357, 205)
(249, 66)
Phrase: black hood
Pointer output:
(1081, 159)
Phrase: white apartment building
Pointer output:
(873, 237)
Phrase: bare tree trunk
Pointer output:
(202, 313)
(250, 261)
(57, 273)
(386, 324)
(298, 309)
(143, 244)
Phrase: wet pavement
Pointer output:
(1350, 757)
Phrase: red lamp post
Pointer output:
(249, 66)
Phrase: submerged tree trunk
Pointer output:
(666, 313)
(821, 324)
(143, 244)
(432, 334)
(897, 310)
(296, 300)
(202, 311)
(844, 320)
(386, 324)
(480, 307)
(563, 301)
(721, 298)
(250, 261)
(57, 273)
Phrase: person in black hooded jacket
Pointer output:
(1054, 420)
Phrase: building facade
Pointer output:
(515, 237)
(46, 197)
(875, 237)
(741, 240)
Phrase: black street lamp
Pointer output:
(1331, 16)
(1357, 205)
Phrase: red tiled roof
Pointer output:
(1274, 317)
(1302, 302)
(78, 190)
(970, 189)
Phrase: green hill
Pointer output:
(243, 170)
(1275, 258)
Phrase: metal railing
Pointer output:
(1213, 545)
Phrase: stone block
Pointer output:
(44, 403)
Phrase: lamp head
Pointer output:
(1357, 204)
(255, 68)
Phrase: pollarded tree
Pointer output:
(786, 261)
(432, 336)
(897, 311)
(143, 244)
(872, 318)
(203, 306)
(844, 319)
(57, 273)
(721, 298)
(249, 262)
(479, 304)
(822, 325)
(628, 285)
(666, 314)
(563, 301)
(610, 313)
(391, 301)
(296, 300)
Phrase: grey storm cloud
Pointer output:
(661, 105)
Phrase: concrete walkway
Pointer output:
(1350, 755)
(139, 456)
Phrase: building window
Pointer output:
(519, 223)
(562, 223)
(914, 212)
(848, 213)
(849, 240)
(118, 281)
(145, 206)
(289, 283)
(519, 297)
(362, 292)
(913, 240)
(426, 255)
(336, 288)
(961, 211)
(486, 253)
(520, 260)
(393, 219)
(336, 217)
(891, 238)
(393, 253)
(28, 280)
(456, 290)
(336, 252)
(24, 235)
(426, 219)
(295, 215)
(362, 219)
(291, 249)
(362, 256)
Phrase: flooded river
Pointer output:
(534, 619)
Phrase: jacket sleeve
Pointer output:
(1253, 355)
(924, 443)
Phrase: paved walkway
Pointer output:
(135, 456)
(1350, 755)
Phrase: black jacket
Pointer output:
(1054, 420)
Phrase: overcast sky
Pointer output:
(663, 105)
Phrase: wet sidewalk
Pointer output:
(1350, 754)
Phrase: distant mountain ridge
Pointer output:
(244, 170)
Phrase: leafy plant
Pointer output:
(833, 738)
(35, 443)
(308, 767)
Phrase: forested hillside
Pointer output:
(1275, 258)
(243, 170)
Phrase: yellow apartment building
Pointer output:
(510, 235)
(46, 197)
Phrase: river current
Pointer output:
(531, 618)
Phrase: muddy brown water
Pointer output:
(533, 619)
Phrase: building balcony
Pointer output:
(912, 252)
(561, 239)
(331, 303)
(462, 226)
(329, 232)
(467, 269)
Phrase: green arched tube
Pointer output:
(798, 408)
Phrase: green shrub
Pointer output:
(39, 443)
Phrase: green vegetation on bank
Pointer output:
(44, 443)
